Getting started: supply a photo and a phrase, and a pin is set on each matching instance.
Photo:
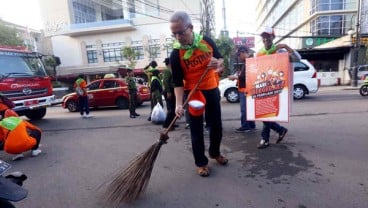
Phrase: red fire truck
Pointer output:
(23, 79)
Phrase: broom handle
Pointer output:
(164, 136)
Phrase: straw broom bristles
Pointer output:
(133, 180)
(128, 185)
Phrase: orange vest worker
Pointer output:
(16, 138)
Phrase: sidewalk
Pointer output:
(337, 88)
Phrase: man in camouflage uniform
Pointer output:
(132, 93)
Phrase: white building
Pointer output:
(88, 35)
(307, 25)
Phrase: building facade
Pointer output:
(307, 25)
(32, 38)
(88, 35)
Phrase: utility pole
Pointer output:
(354, 81)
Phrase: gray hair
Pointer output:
(181, 16)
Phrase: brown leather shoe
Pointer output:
(221, 160)
(203, 171)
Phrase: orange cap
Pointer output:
(197, 103)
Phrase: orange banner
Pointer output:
(268, 87)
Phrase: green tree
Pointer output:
(9, 36)
(226, 47)
(130, 54)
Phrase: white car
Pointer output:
(305, 82)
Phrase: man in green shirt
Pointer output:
(132, 93)
(169, 95)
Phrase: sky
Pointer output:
(22, 12)
(239, 15)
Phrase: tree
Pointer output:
(226, 47)
(9, 36)
(130, 54)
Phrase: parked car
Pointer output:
(107, 92)
(305, 82)
(362, 73)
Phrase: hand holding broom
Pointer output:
(128, 185)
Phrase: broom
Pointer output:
(128, 185)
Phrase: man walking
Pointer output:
(80, 87)
(269, 48)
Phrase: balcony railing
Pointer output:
(98, 27)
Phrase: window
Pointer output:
(137, 46)
(112, 51)
(140, 50)
(329, 25)
(131, 8)
(299, 66)
(169, 46)
(112, 55)
(82, 12)
(92, 56)
(94, 85)
(154, 48)
(110, 84)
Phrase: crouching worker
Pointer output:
(19, 136)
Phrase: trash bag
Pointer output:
(158, 114)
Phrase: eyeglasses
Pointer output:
(174, 34)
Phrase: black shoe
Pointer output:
(242, 129)
(176, 125)
(132, 116)
(263, 144)
(136, 114)
(282, 135)
(149, 118)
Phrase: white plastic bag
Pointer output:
(158, 114)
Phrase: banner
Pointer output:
(268, 84)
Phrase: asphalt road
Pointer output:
(320, 163)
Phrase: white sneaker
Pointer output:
(36, 152)
(87, 116)
(18, 157)
(83, 115)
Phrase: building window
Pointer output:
(329, 25)
(112, 51)
(112, 55)
(169, 46)
(326, 5)
(154, 48)
(82, 12)
(137, 46)
(131, 8)
(140, 50)
(92, 56)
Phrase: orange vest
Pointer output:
(195, 66)
(18, 140)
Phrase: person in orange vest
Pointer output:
(20, 136)
(191, 56)
(268, 35)
(80, 87)
(242, 53)
(6, 106)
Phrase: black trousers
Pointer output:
(214, 123)
(37, 135)
(132, 101)
(170, 105)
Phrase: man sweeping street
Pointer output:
(192, 55)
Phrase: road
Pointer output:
(321, 162)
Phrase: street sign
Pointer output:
(246, 41)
